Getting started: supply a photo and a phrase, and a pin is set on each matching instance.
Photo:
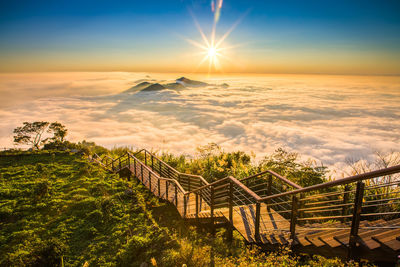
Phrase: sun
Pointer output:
(212, 52)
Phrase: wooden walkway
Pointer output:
(349, 223)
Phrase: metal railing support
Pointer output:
(355, 223)
(293, 217)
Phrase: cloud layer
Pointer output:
(327, 118)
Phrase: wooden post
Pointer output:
(345, 201)
(145, 157)
(230, 234)
(293, 217)
(141, 172)
(134, 166)
(150, 181)
(212, 211)
(356, 220)
(166, 189)
(300, 205)
(197, 207)
(269, 188)
(257, 222)
(176, 195)
(152, 163)
(159, 164)
(184, 205)
(189, 183)
(159, 189)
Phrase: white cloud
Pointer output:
(323, 117)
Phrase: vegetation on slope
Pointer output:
(59, 209)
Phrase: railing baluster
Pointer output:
(356, 220)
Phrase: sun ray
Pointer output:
(232, 28)
(212, 49)
(199, 29)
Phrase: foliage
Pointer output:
(287, 164)
(212, 163)
(31, 133)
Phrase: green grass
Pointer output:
(55, 206)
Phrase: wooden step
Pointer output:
(388, 238)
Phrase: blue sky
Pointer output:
(346, 37)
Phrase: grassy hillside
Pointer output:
(57, 209)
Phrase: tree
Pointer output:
(59, 131)
(31, 133)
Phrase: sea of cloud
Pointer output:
(326, 118)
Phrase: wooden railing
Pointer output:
(344, 202)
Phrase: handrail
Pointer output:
(235, 181)
(172, 168)
(347, 180)
(159, 176)
(282, 178)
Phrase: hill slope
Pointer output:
(60, 207)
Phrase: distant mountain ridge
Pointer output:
(179, 84)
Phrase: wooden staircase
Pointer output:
(357, 217)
